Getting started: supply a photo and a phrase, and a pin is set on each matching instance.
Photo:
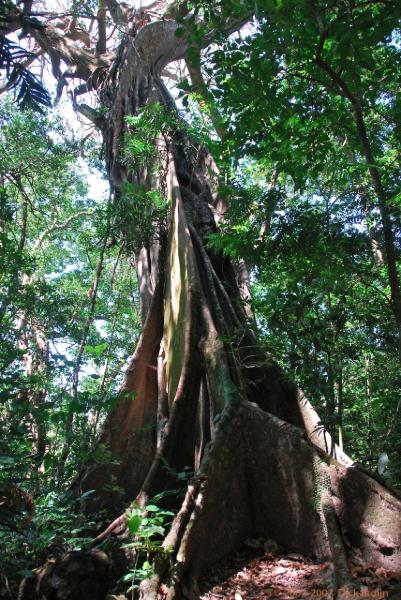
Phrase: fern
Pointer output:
(30, 92)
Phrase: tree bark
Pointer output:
(199, 392)
(385, 219)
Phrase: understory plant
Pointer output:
(148, 526)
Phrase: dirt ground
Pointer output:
(259, 571)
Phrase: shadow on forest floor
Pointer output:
(257, 575)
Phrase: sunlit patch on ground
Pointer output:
(251, 575)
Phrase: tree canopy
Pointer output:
(286, 157)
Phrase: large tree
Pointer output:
(199, 392)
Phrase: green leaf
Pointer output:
(74, 406)
(134, 523)
(97, 350)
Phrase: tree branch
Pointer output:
(59, 226)
(60, 46)
(116, 13)
(200, 87)
(94, 116)
(101, 26)
(336, 78)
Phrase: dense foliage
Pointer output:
(306, 100)
(68, 323)
(309, 98)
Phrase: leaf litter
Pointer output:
(252, 573)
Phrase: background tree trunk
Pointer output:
(199, 393)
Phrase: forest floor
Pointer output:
(254, 573)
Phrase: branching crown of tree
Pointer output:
(199, 392)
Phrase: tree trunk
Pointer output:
(200, 393)
(33, 344)
(387, 227)
(340, 400)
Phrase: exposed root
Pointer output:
(75, 576)
(129, 431)
(342, 579)
(200, 393)
(235, 499)
(259, 477)
(117, 527)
